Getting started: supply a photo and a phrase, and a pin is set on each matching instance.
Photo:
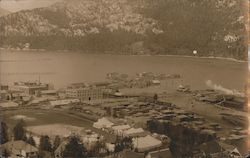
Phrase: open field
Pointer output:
(43, 117)
(46, 118)
(55, 129)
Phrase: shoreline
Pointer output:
(149, 55)
(209, 57)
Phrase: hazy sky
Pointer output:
(17, 5)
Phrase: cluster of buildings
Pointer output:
(22, 149)
(22, 92)
(142, 140)
(36, 93)
(154, 126)
(140, 80)
(185, 128)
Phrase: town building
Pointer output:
(147, 143)
(85, 94)
(30, 88)
(19, 149)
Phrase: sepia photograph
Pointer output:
(124, 79)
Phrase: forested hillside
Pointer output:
(212, 27)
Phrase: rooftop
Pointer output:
(19, 146)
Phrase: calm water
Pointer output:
(64, 68)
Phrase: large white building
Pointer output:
(85, 94)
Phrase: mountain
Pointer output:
(214, 28)
(3, 12)
(248, 27)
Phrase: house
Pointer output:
(147, 143)
(20, 149)
(103, 123)
(118, 130)
(134, 132)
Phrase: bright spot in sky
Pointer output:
(195, 52)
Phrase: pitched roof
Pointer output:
(166, 153)
(146, 143)
(19, 146)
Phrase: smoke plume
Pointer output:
(220, 88)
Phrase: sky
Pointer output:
(17, 5)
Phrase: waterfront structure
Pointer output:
(30, 88)
(85, 93)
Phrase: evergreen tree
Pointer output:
(123, 143)
(74, 149)
(31, 141)
(118, 145)
(155, 97)
(127, 142)
(3, 133)
(57, 142)
(45, 144)
(19, 131)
